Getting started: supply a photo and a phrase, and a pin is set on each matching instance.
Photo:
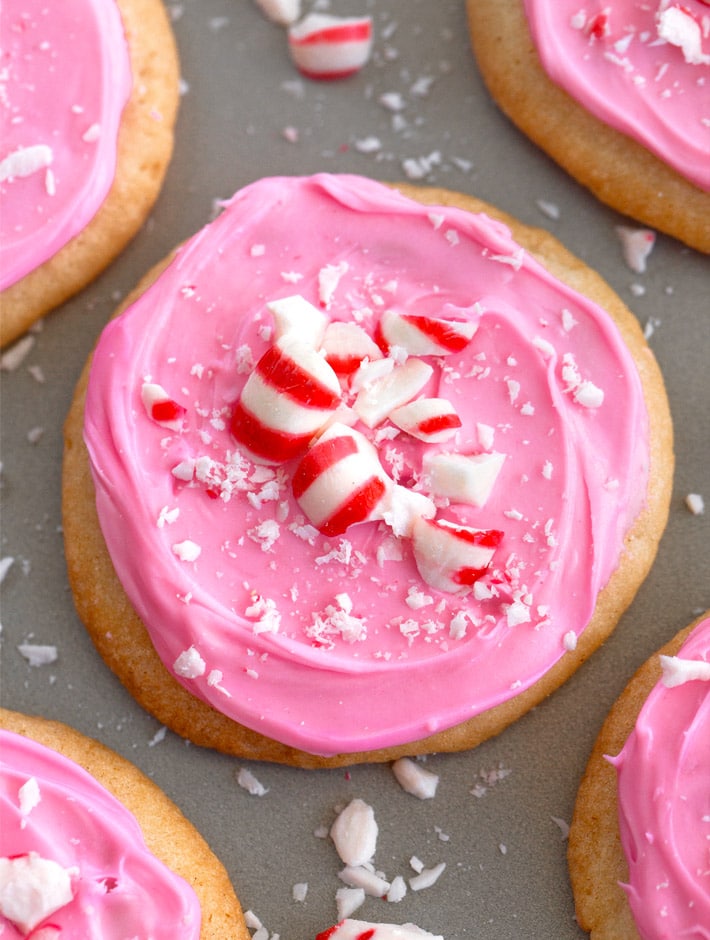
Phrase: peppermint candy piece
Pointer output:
(346, 346)
(330, 47)
(452, 557)
(425, 336)
(375, 402)
(432, 420)
(359, 930)
(296, 317)
(464, 478)
(32, 888)
(161, 407)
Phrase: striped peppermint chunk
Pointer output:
(425, 336)
(340, 481)
(346, 346)
(432, 420)
(161, 407)
(295, 316)
(330, 47)
(349, 929)
(375, 402)
(452, 557)
(287, 399)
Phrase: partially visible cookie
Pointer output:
(90, 96)
(107, 843)
(618, 106)
(639, 837)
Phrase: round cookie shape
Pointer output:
(638, 841)
(293, 634)
(81, 162)
(109, 851)
(616, 93)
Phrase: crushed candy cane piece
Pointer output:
(636, 245)
(425, 336)
(25, 161)
(38, 654)
(346, 345)
(283, 12)
(677, 671)
(366, 930)
(348, 900)
(161, 407)
(354, 833)
(296, 316)
(465, 478)
(363, 876)
(375, 402)
(32, 888)
(451, 557)
(432, 420)
(189, 664)
(678, 26)
(695, 503)
(414, 779)
(330, 47)
(427, 877)
(247, 781)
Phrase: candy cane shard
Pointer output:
(349, 929)
(346, 346)
(296, 317)
(340, 481)
(375, 402)
(285, 402)
(424, 336)
(161, 408)
(330, 47)
(432, 420)
(32, 888)
(452, 557)
(401, 507)
(464, 478)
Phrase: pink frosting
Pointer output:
(664, 805)
(607, 54)
(58, 130)
(121, 889)
(254, 623)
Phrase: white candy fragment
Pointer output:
(330, 47)
(189, 664)
(161, 408)
(286, 400)
(365, 878)
(413, 778)
(247, 781)
(340, 481)
(401, 506)
(354, 833)
(38, 654)
(346, 345)
(432, 420)
(31, 889)
(636, 245)
(680, 28)
(295, 316)
(25, 161)
(398, 890)
(375, 402)
(427, 877)
(677, 671)
(348, 900)
(426, 336)
(29, 797)
(695, 503)
(283, 12)
(450, 557)
(464, 478)
(356, 929)
(187, 550)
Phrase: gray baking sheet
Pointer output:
(245, 113)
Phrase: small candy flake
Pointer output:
(363, 876)
(678, 27)
(636, 245)
(695, 503)
(427, 877)
(283, 12)
(24, 162)
(38, 654)
(354, 833)
(330, 47)
(29, 797)
(465, 478)
(247, 781)
(348, 900)
(187, 550)
(414, 779)
(189, 664)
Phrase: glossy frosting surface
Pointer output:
(609, 57)
(664, 805)
(250, 616)
(121, 890)
(58, 131)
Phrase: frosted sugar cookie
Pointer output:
(369, 484)
(638, 846)
(89, 846)
(89, 98)
(617, 93)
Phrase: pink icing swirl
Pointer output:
(664, 805)
(121, 889)
(610, 58)
(242, 599)
(58, 131)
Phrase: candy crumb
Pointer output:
(695, 503)
(38, 654)
(247, 781)
(414, 779)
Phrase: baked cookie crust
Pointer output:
(145, 145)
(621, 173)
(123, 641)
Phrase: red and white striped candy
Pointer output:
(346, 345)
(452, 557)
(340, 481)
(161, 408)
(464, 478)
(424, 336)
(432, 420)
(287, 399)
(296, 317)
(349, 929)
(330, 47)
(375, 402)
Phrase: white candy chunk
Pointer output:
(361, 876)
(187, 550)
(374, 403)
(32, 888)
(677, 671)
(464, 478)
(432, 420)
(371, 371)
(38, 654)
(679, 28)
(413, 778)
(25, 162)
(636, 246)
(247, 781)
(283, 12)
(189, 664)
(401, 506)
(450, 557)
(695, 503)
(296, 317)
(426, 336)
(354, 833)
(348, 900)
(427, 877)
(330, 47)
(346, 346)
(340, 481)
(355, 929)
(398, 890)
(29, 796)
